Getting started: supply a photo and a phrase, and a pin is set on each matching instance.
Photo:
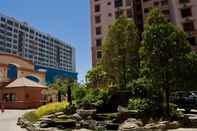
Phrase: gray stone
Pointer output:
(59, 113)
(173, 125)
(77, 117)
(86, 113)
(81, 130)
(122, 109)
(49, 116)
(131, 125)
(155, 127)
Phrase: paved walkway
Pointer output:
(8, 120)
(184, 129)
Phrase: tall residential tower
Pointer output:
(103, 12)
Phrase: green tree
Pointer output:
(97, 78)
(64, 88)
(186, 73)
(163, 46)
(120, 52)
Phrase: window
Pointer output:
(156, 3)
(97, 19)
(97, 8)
(98, 30)
(184, 1)
(3, 19)
(9, 22)
(119, 13)
(98, 43)
(129, 13)
(192, 40)
(188, 26)
(118, 3)
(99, 54)
(128, 2)
(164, 2)
(186, 12)
(146, 10)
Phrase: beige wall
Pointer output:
(24, 68)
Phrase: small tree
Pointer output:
(97, 78)
(63, 86)
(120, 52)
(60, 86)
(164, 45)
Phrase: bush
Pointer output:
(94, 98)
(51, 108)
(146, 108)
(31, 116)
(78, 92)
(140, 105)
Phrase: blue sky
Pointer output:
(68, 20)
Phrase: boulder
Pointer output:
(86, 113)
(19, 121)
(49, 116)
(59, 114)
(68, 123)
(89, 124)
(77, 117)
(155, 127)
(81, 130)
(131, 125)
(173, 125)
(112, 126)
(46, 122)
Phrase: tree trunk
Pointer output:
(167, 103)
(69, 95)
(59, 96)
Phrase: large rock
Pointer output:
(89, 124)
(155, 127)
(81, 130)
(86, 113)
(59, 114)
(173, 125)
(77, 117)
(46, 122)
(131, 125)
(112, 126)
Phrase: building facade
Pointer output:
(21, 84)
(13, 67)
(44, 50)
(103, 12)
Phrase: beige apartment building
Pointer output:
(103, 12)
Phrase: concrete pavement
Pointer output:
(184, 129)
(8, 120)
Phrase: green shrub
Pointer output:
(51, 108)
(140, 105)
(78, 92)
(31, 116)
(146, 108)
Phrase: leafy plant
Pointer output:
(31, 116)
(51, 108)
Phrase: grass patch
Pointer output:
(31, 116)
(34, 116)
(51, 108)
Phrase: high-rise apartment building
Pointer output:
(103, 12)
(44, 50)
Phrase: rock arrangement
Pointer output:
(87, 120)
